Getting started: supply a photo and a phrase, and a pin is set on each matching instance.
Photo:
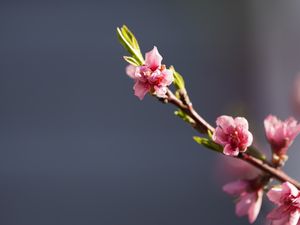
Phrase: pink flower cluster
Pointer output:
(233, 134)
(281, 134)
(233, 137)
(287, 198)
(249, 197)
(151, 77)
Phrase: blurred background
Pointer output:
(78, 148)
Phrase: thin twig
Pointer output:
(274, 172)
(204, 127)
(201, 125)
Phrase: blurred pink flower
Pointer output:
(233, 134)
(250, 198)
(152, 76)
(233, 169)
(281, 134)
(295, 100)
(287, 198)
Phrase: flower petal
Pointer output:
(140, 89)
(160, 91)
(219, 136)
(249, 139)
(289, 188)
(236, 187)
(294, 217)
(130, 70)
(229, 150)
(168, 77)
(282, 221)
(225, 122)
(255, 206)
(275, 195)
(278, 213)
(270, 123)
(243, 205)
(153, 59)
(241, 122)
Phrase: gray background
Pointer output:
(77, 148)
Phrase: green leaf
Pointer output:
(178, 79)
(210, 134)
(208, 144)
(130, 43)
(184, 116)
(131, 60)
(256, 153)
(130, 37)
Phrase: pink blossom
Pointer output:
(152, 76)
(281, 134)
(232, 169)
(295, 100)
(287, 198)
(233, 134)
(249, 198)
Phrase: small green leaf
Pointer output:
(178, 79)
(208, 144)
(256, 153)
(210, 134)
(184, 116)
(130, 37)
(131, 60)
(130, 43)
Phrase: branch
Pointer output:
(204, 127)
(274, 172)
(200, 124)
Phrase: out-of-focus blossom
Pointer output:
(233, 134)
(287, 198)
(281, 134)
(152, 76)
(249, 198)
(295, 100)
(233, 169)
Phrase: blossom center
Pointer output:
(234, 138)
(292, 202)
